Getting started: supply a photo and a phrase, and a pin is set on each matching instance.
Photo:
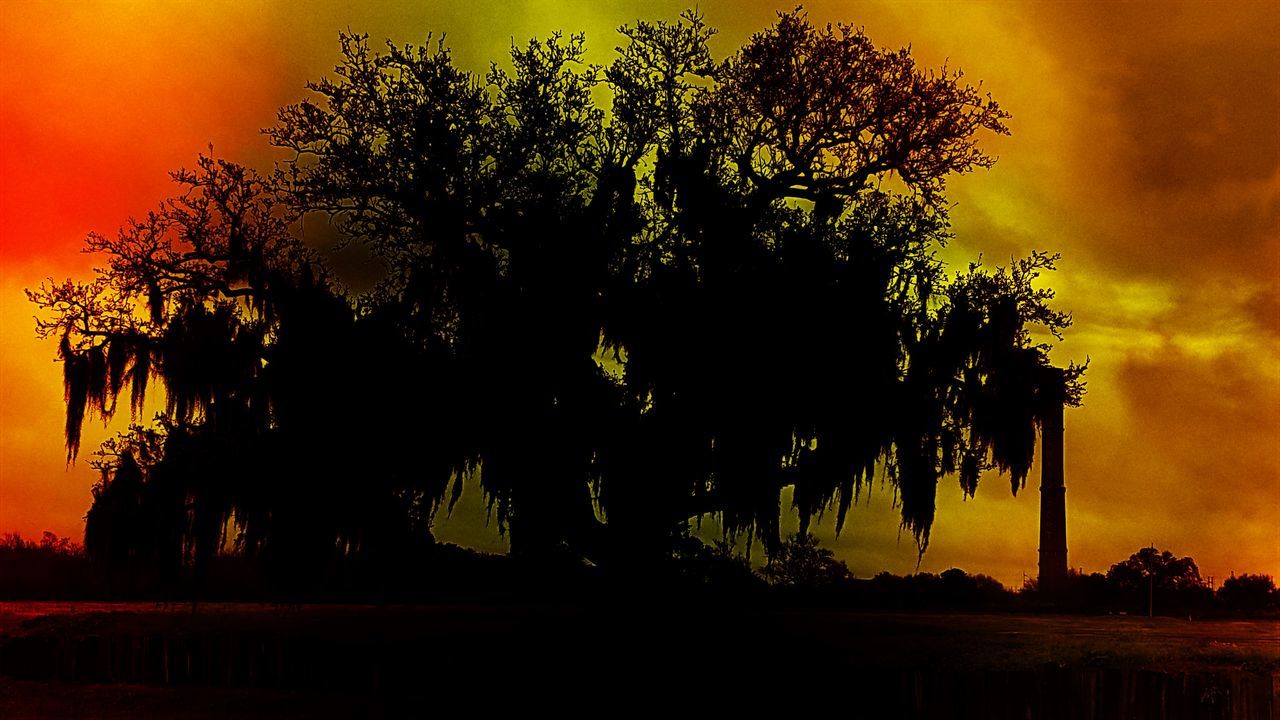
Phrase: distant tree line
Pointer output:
(1150, 580)
(620, 318)
(801, 573)
(1161, 583)
(49, 568)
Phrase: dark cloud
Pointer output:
(1176, 145)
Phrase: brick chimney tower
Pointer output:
(1053, 491)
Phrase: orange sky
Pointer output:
(1145, 148)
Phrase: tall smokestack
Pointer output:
(1053, 491)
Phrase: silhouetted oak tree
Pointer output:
(722, 285)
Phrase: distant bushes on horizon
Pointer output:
(48, 543)
(51, 567)
(801, 573)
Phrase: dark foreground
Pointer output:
(255, 661)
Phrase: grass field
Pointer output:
(237, 660)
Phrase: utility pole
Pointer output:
(1151, 595)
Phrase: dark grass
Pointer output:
(395, 660)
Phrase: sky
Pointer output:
(1145, 148)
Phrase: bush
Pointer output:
(51, 567)
(1249, 594)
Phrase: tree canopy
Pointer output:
(1149, 566)
(624, 316)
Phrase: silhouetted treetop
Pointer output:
(620, 321)
(170, 298)
(801, 563)
(819, 112)
(1162, 569)
(1249, 593)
